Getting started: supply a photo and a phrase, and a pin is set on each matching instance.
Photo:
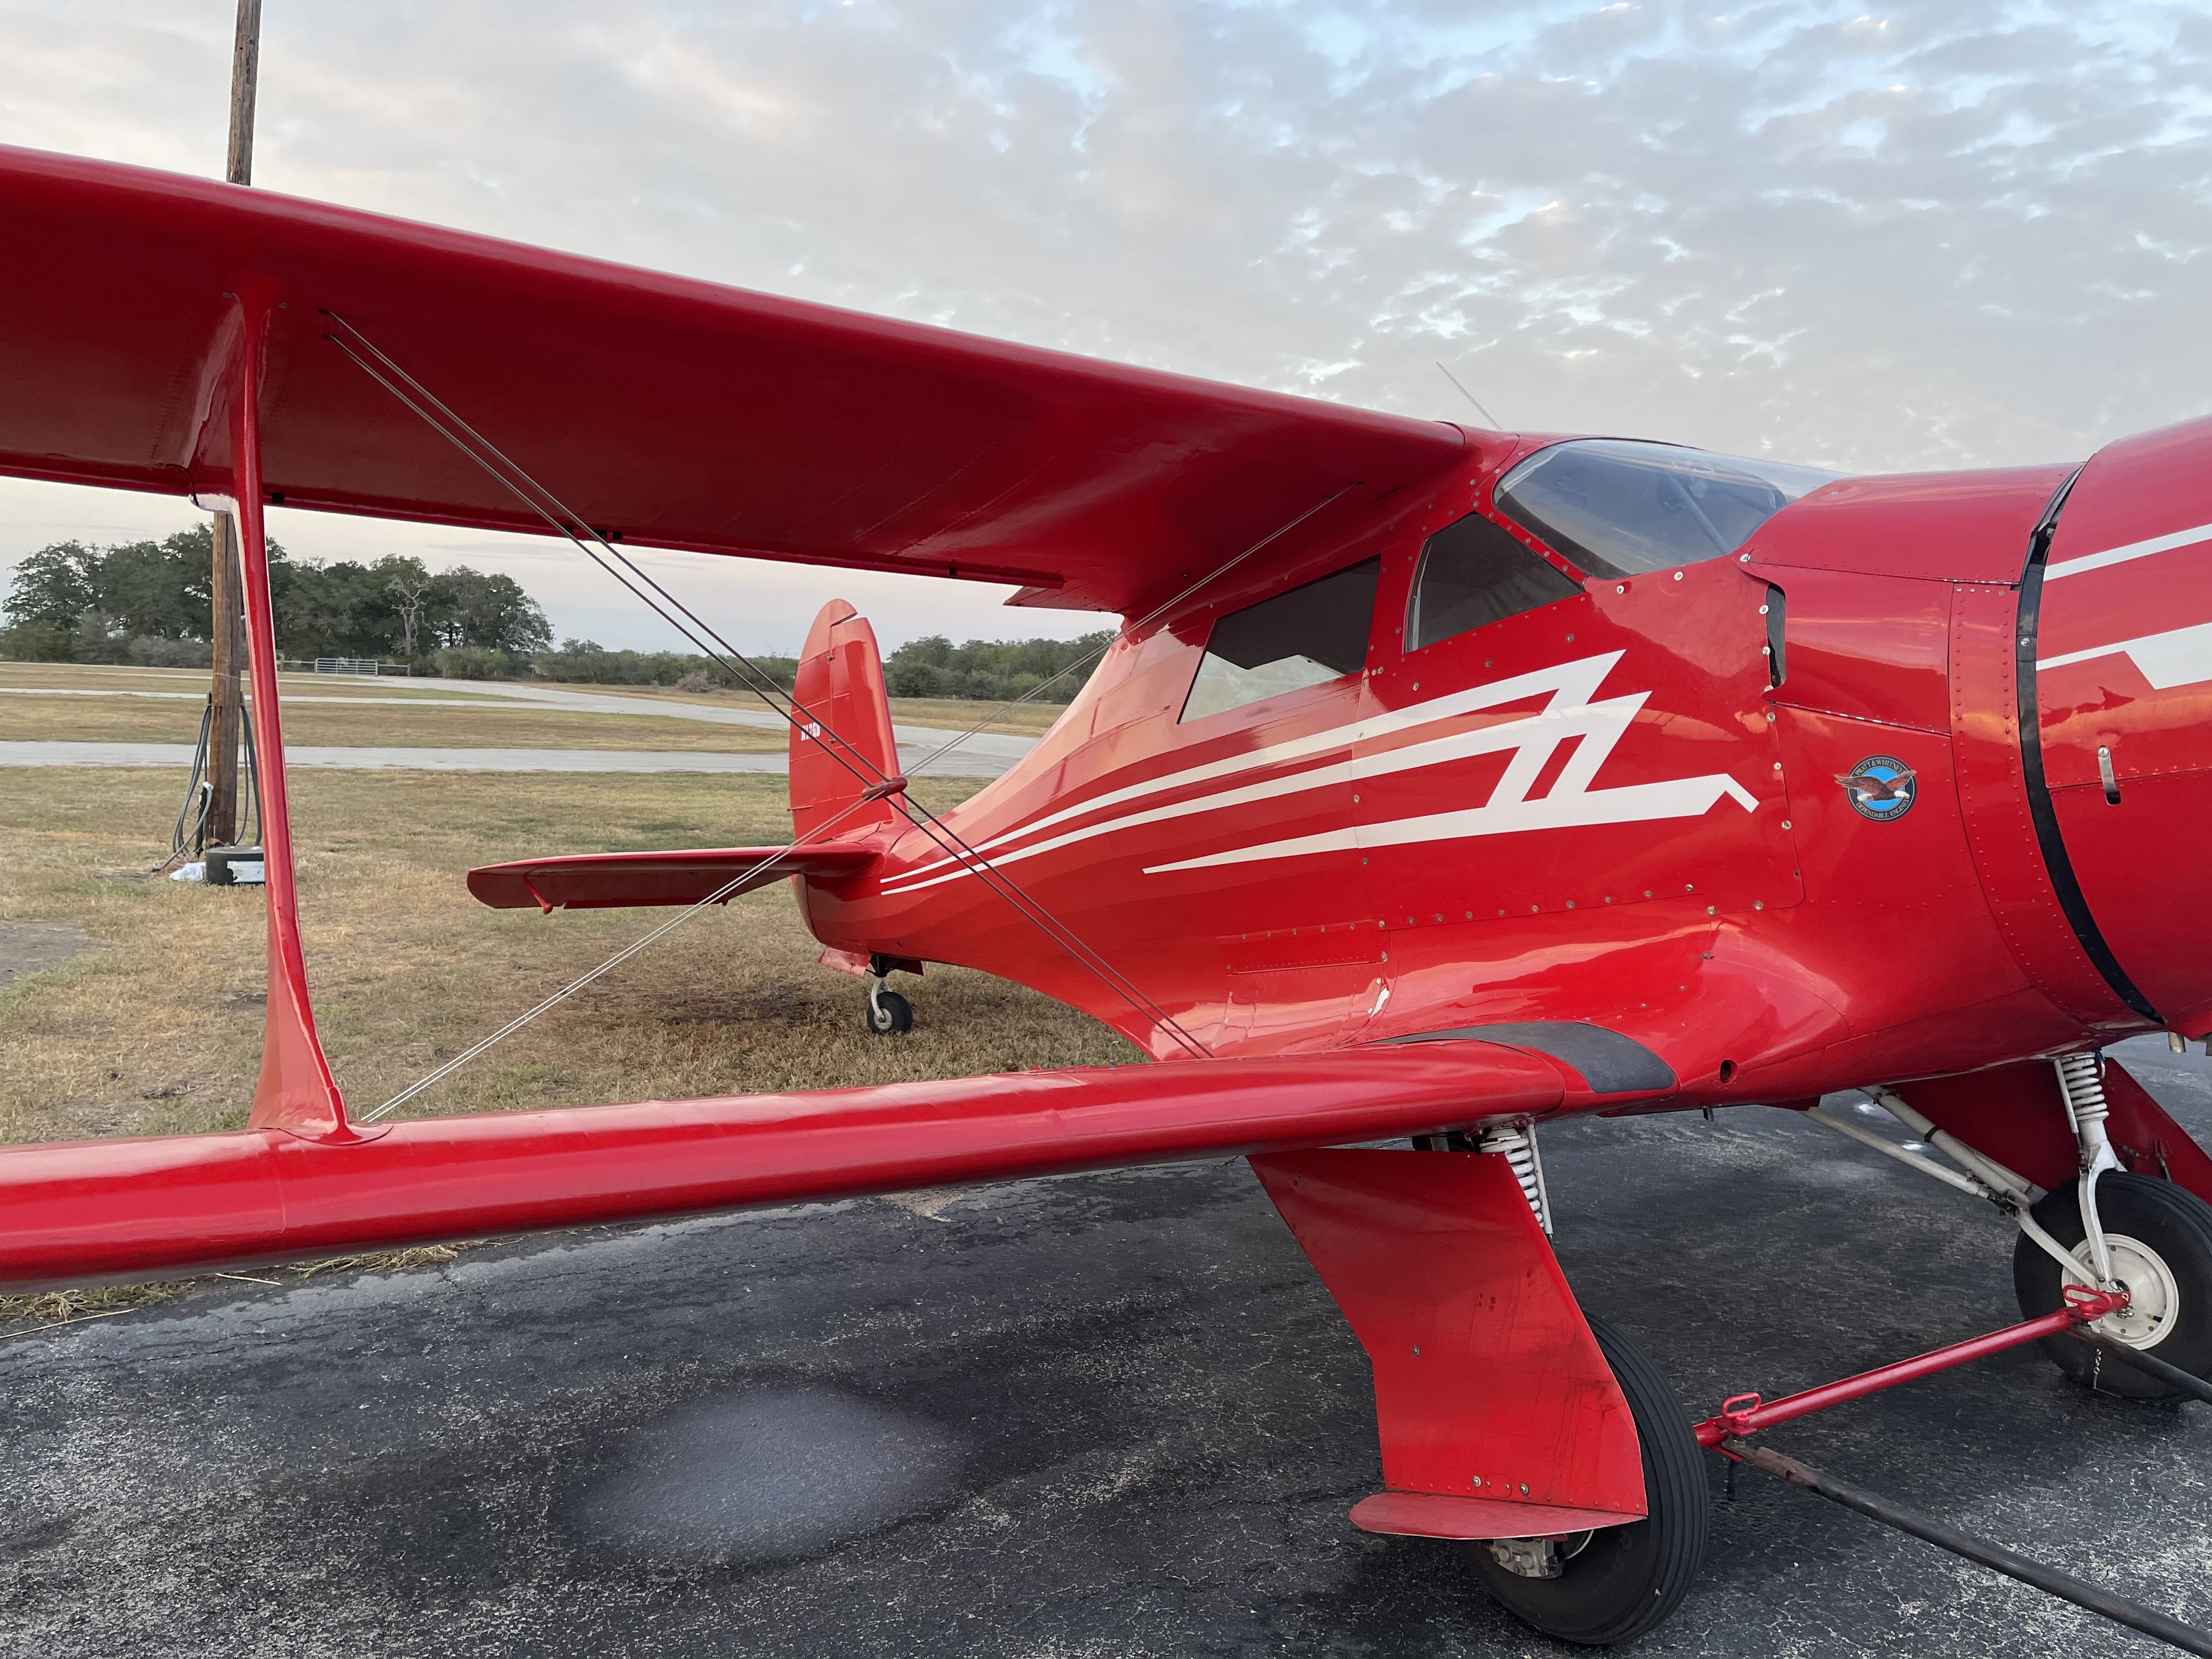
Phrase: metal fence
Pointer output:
(358, 665)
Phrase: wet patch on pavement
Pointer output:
(769, 1475)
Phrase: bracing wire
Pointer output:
(1470, 397)
(1128, 629)
(733, 662)
(748, 877)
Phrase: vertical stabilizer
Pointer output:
(841, 688)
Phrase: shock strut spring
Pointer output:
(2081, 1082)
(1517, 1145)
(2082, 1085)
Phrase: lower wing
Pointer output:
(89, 1211)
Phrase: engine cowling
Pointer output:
(2117, 666)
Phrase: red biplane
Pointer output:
(1442, 782)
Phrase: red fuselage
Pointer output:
(1778, 873)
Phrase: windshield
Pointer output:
(1616, 506)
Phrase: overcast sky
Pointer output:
(1933, 236)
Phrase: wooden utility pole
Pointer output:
(227, 627)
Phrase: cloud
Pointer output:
(1934, 235)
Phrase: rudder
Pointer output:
(840, 690)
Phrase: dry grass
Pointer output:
(69, 1307)
(162, 1032)
(495, 726)
(99, 676)
(950, 714)
(61, 1307)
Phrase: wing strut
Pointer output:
(296, 1091)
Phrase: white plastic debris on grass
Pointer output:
(196, 871)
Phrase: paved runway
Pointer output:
(1109, 1415)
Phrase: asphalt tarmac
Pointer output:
(1110, 1415)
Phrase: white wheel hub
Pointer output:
(2154, 1299)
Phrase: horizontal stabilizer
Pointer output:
(601, 881)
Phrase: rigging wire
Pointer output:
(1129, 628)
(549, 507)
(727, 890)
(1470, 397)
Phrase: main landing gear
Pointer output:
(2108, 1266)
(1556, 1455)
(1614, 1584)
(2157, 1241)
(2110, 1230)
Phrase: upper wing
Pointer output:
(660, 410)
(593, 881)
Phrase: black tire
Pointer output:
(2171, 1220)
(1625, 1580)
(888, 1014)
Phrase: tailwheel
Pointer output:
(2160, 1237)
(889, 1014)
(1613, 1584)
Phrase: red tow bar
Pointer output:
(1743, 1413)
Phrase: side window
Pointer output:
(1472, 571)
(1304, 637)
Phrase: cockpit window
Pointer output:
(1473, 573)
(1309, 635)
(1616, 507)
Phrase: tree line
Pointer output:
(994, 671)
(148, 602)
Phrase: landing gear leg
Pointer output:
(888, 1013)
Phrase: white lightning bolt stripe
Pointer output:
(1536, 736)
(1574, 681)
(2113, 555)
(2182, 656)
(1634, 803)
(1533, 740)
